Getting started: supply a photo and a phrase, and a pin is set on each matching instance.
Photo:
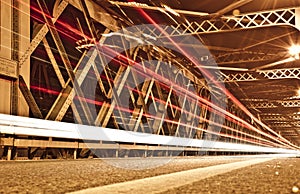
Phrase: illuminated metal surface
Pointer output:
(35, 127)
(262, 74)
(243, 21)
(61, 40)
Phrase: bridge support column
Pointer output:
(14, 40)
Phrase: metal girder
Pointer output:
(248, 21)
(115, 86)
(143, 98)
(161, 111)
(181, 63)
(29, 98)
(281, 73)
(280, 125)
(295, 116)
(237, 77)
(273, 118)
(115, 89)
(107, 110)
(15, 56)
(66, 96)
(263, 105)
(286, 131)
(280, 121)
(183, 101)
(97, 13)
(89, 10)
(65, 59)
(192, 115)
(54, 63)
(276, 104)
(268, 18)
(290, 103)
(292, 73)
(246, 56)
(286, 16)
(58, 108)
(42, 33)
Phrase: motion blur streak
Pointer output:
(236, 101)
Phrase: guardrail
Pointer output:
(83, 136)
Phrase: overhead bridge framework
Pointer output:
(65, 67)
(293, 73)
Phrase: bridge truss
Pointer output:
(147, 89)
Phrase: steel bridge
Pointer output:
(118, 79)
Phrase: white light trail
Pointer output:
(37, 127)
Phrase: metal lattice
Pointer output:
(295, 117)
(273, 118)
(291, 103)
(281, 73)
(246, 56)
(293, 73)
(275, 104)
(113, 92)
(246, 21)
(263, 105)
(281, 125)
(42, 33)
(237, 77)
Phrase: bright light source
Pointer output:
(124, 35)
(294, 50)
(169, 9)
(298, 92)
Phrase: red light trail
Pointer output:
(233, 99)
(164, 102)
(185, 91)
(179, 88)
(175, 122)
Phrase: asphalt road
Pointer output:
(61, 176)
(278, 176)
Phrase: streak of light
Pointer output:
(145, 6)
(48, 91)
(230, 7)
(201, 118)
(40, 59)
(290, 59)
(164, 119)
(247, 126)
(225, 68)
(124, 35)
(45, 90)
(267, 128)
(179, 88)
(217, 124)
(37, 127)
(233, 98)
(40, 20)
(169, 9)
(166, 13)
(158, 100)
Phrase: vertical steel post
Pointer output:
(15, 56)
